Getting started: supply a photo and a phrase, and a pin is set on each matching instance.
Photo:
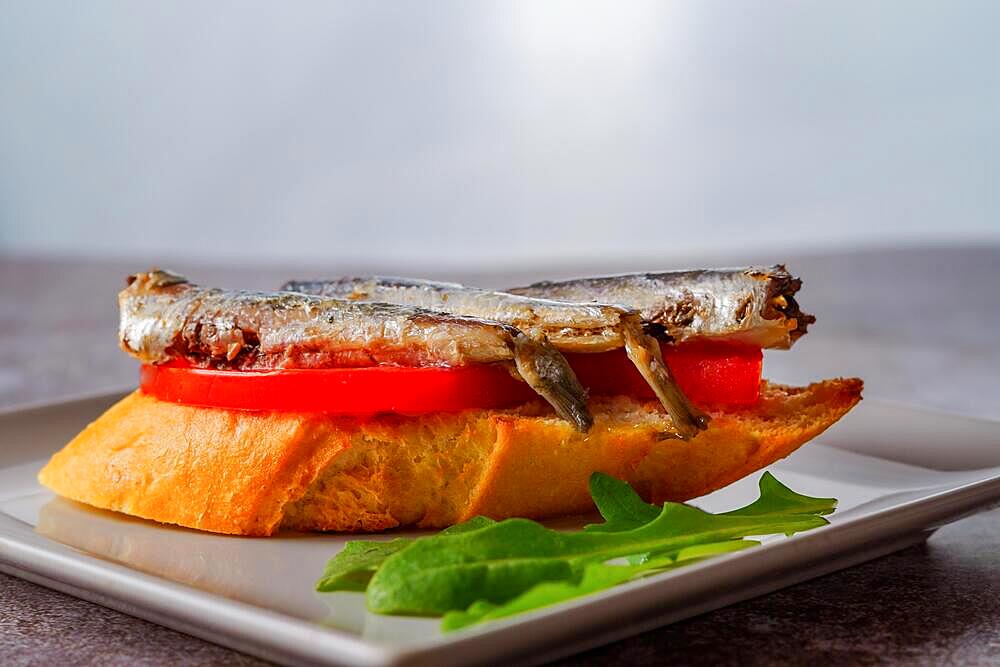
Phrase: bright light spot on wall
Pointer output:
(598, 33)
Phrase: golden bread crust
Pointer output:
(251, 473)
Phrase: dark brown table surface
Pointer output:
(921, 325)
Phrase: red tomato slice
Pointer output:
(351, 391)
(716, 373)
(708, 374)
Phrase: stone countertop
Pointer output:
(920, 325)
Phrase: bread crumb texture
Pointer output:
(251, 473)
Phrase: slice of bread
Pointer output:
(252, 473)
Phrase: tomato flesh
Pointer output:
(710, 374)
(352, 391)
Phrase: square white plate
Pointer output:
(899, 473)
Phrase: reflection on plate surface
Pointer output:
(277, 573)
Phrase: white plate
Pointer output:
(898, 473)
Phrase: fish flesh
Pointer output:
(569, 327)
(753, 305)
(163, 317)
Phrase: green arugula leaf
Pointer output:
(596, 577)
(696, 552)
(619, 504)
(776, 498)
(440, 573)
(483, 569)
(353, 567)
(623, 509)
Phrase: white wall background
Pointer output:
(471, 133)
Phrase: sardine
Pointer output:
(569, 327)
(163, 316)
(753, 305)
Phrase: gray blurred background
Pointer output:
(460, 134)
(245, 143)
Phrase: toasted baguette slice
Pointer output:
(252, 473)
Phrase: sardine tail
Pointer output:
(549, 374)
(644, 352)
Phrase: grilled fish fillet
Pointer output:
(753, 305)
(570, 327)
(163, 316)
